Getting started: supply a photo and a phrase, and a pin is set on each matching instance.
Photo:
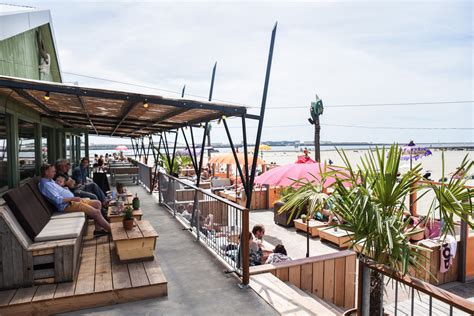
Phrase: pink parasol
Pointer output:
(283, 175)
(121, 148)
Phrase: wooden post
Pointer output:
(86, 144)
(245, 247)
(38, 148)
(12, 150)
(412, 201)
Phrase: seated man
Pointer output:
(65, 201)
(87, 190)
(258, 232)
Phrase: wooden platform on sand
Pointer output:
(102, 280)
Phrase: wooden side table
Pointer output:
(338, 236)
(114, 218)
(138, 243)
(314, 226)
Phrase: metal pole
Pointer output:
(262, 115)
(198, 182)
(210, 98)
(232, 147)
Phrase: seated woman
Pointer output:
(255, 252)
(415, 229)
(432, 228)
(279, 255)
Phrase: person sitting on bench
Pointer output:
(65, 201)
(86, 190)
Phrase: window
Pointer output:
(26, 154)
(3, 154)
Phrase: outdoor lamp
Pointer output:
(46, 96)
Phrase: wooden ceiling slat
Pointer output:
(90, 107)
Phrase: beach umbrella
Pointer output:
(409, 152)
(412, 151)
(304, 159)
(265, 147)
(121, 148)
(285, 175)
(228, 159)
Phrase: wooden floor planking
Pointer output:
(65, 289)
(45, 292)
(138, 274)
(6, 297)
(86, 276)
(102, 280)
(103, 270)
(23, 295)
(154, 273)
(120, 275)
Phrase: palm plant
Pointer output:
(373, 208)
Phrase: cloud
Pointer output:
(348, 53)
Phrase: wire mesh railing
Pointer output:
(404, 295)
(216, 222)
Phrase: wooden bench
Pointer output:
(288, 300)
(125, 173)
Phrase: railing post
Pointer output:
(158, 174)
(363, 293)
(245, 247)
(174, 196)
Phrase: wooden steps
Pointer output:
(102, 280)
(286, 300)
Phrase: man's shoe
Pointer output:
(98, 233)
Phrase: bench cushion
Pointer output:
(33, 184)
(59, 215)
(61, 228)
(28, 210)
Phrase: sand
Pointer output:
(433, 164)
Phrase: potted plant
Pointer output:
(128, 218)
(303, 218)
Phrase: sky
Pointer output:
(349, 53)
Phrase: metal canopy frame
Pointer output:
(82, 106)
(246, 177)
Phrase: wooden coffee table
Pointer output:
(314, 226)
(138, 243)
(114, 218)
(337, 236)
(128, 200)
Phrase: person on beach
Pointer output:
(65, 201)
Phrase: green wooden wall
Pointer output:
(19, 55)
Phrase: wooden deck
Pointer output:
(102, 280)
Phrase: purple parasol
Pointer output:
(411, 151)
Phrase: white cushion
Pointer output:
(61, 228)
(59, 215)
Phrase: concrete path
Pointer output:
(197, 284)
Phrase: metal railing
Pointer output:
(145, 176)
(217, 222)
(404, 295)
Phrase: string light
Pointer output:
(47, 96)
(145, 104)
